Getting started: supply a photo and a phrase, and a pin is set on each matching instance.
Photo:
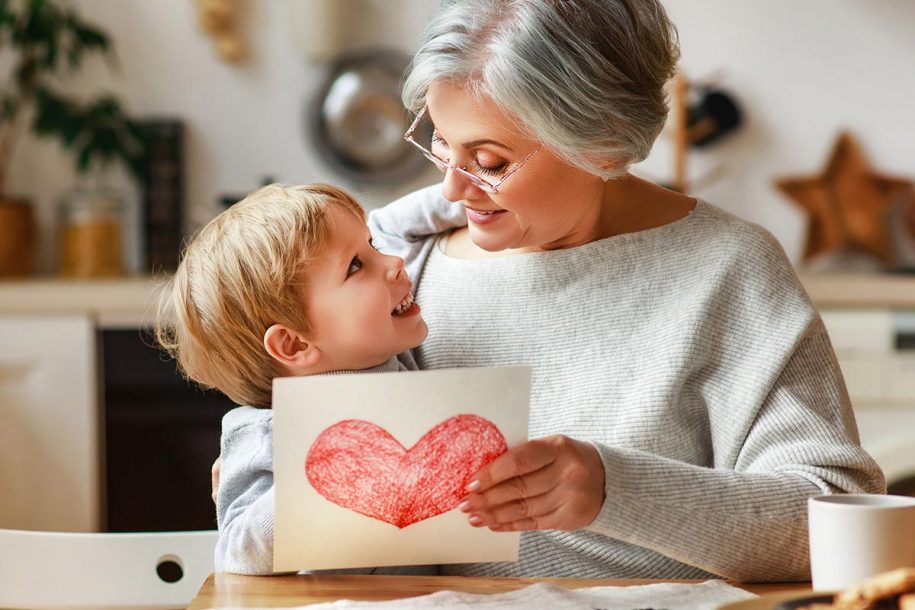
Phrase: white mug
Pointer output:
(854, 536)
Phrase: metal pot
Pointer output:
(357, 121)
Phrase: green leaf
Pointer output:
(83, 160)
(91, 39)
(25, 75)
(84, 38)
(8, 106)
(48, 35)
(50, 58)
(58, 117)
(7, 16)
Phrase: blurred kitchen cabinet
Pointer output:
(98, 430)
(871, 323)
(49, 423)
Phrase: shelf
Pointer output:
(129, 302)
(126, 302)
(861, 290)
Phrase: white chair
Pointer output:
(50, 570)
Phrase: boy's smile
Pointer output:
(407, 307)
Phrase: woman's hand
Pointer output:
(554, 482)
(214, 477)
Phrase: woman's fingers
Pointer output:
(528, 486)
(547, 521)
(523, 509)
(523, 459)
(552, 483)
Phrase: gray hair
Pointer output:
(585, 77)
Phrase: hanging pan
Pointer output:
(357, 121)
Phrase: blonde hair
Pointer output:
(240, 274)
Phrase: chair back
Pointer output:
(58, 570)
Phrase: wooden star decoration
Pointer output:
(847, 204)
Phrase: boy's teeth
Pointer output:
(403, 306)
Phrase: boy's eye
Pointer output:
(354, 266)
(372, 243)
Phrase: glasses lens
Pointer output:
(436, 151)
(477, 181)
(422, 132)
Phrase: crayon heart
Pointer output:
(361, 467)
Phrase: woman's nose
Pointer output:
(458, 187)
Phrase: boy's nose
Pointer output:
(395, 268)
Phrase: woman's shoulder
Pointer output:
(731, 229)
(745, 261)
(734, 240)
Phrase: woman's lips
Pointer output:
(483, 217)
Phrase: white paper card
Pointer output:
(368, 467)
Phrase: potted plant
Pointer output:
(49, 42)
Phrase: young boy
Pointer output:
(285, 282)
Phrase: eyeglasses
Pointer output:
(480, 183)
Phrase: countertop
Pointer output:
(115, 302)
(131, 301)
(232, 590)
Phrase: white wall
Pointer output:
(802, 71)
(243, 123)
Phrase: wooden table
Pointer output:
(222, 590)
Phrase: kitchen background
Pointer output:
(96, 421)
(800, 71)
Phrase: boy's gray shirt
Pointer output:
(245, 501)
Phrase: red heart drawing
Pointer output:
(360, 466)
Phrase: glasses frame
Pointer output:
(444, 166)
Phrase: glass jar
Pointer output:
(90, 229)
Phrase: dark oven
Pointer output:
(161, 437)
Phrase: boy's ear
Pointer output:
(291, 348)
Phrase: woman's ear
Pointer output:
(292, 349)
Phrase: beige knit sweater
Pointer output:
(689, 355)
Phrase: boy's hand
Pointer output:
(214, 476)
(554, 482)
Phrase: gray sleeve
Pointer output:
(746, 520)
(403, 227)
(245, 501)
(416, 216)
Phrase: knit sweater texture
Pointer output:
(688, 354)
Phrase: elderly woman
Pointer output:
(686, 400)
